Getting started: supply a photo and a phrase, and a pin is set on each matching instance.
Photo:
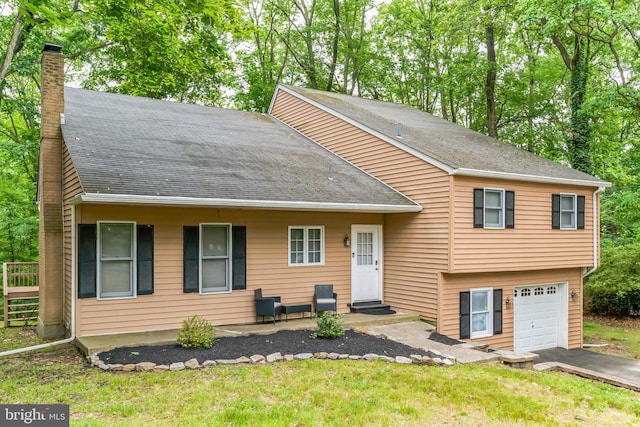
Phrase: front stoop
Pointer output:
(370, 306)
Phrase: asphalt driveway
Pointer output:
(627, 369)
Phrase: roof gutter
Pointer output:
(126, 199)
(595, 235)
(530, 178)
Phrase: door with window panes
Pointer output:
(366, 263)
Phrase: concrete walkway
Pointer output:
(589, 364)
(415, 334)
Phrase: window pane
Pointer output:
(566, 219)
(479, 322)
(297, 234)
(115, 278)
(314, 234)
(214, 273)
(214, 241)
(115, 240)
(492, 217)
(365, 248)
(313, 245)
(566, 203)
(297, 246)
(493, 199)
(479, 301)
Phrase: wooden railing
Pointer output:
(20, 292)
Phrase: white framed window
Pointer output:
(568, 211)
(306, 245)
(215, 258)
(493, 208)
(481, 313)
(116, 254)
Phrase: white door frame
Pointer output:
(377, 255)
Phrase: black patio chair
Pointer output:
(267, 306)
(325, 299)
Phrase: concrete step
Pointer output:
(359, 307)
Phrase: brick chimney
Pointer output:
(51, 250)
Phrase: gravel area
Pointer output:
(284, 342)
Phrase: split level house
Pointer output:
(153, 211)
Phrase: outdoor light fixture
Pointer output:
(574, 296)
(347, 241)
(508, 302)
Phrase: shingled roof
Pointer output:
(449, 146)
(130, 149)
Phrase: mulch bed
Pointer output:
(443, 339)
(284, 342)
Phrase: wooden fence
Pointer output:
(20, 292)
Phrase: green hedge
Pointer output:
(614, 289)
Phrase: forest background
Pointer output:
(559, 78)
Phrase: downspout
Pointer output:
(73, 298)
(595, 235)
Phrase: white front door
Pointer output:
(366, 263)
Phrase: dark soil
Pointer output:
(443, 339)
(284, 342)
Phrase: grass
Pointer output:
(17, 337)
(313, 393)
(621, 335)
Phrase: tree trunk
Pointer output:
(580, 136)
(334, 46)
(490, 84)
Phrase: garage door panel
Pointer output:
(536, 317)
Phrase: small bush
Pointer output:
(329, 326)
(196, 332)
(614, 289)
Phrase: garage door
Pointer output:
(537, 317)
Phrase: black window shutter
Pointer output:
(510, 211)
(191, 256)
(478, 208)
(465, 315)
(580, 212)
(239, 257)
(555, 211)
(497, 311)
(144, 265)
(87, 266)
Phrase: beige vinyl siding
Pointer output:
(71, 187)
(415, 245)
(453, 284)
(532, 244)
(267, 267)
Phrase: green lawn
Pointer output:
(621, 335)
(313, 393)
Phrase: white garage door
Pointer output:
(538, 317)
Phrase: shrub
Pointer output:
(196, 332)
(614, 289)
(329, 326)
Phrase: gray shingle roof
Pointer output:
(454, 147)
(125, 145)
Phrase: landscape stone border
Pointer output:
(439, 359)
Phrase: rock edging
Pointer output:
(415, 359)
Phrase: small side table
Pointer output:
(296, 308)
